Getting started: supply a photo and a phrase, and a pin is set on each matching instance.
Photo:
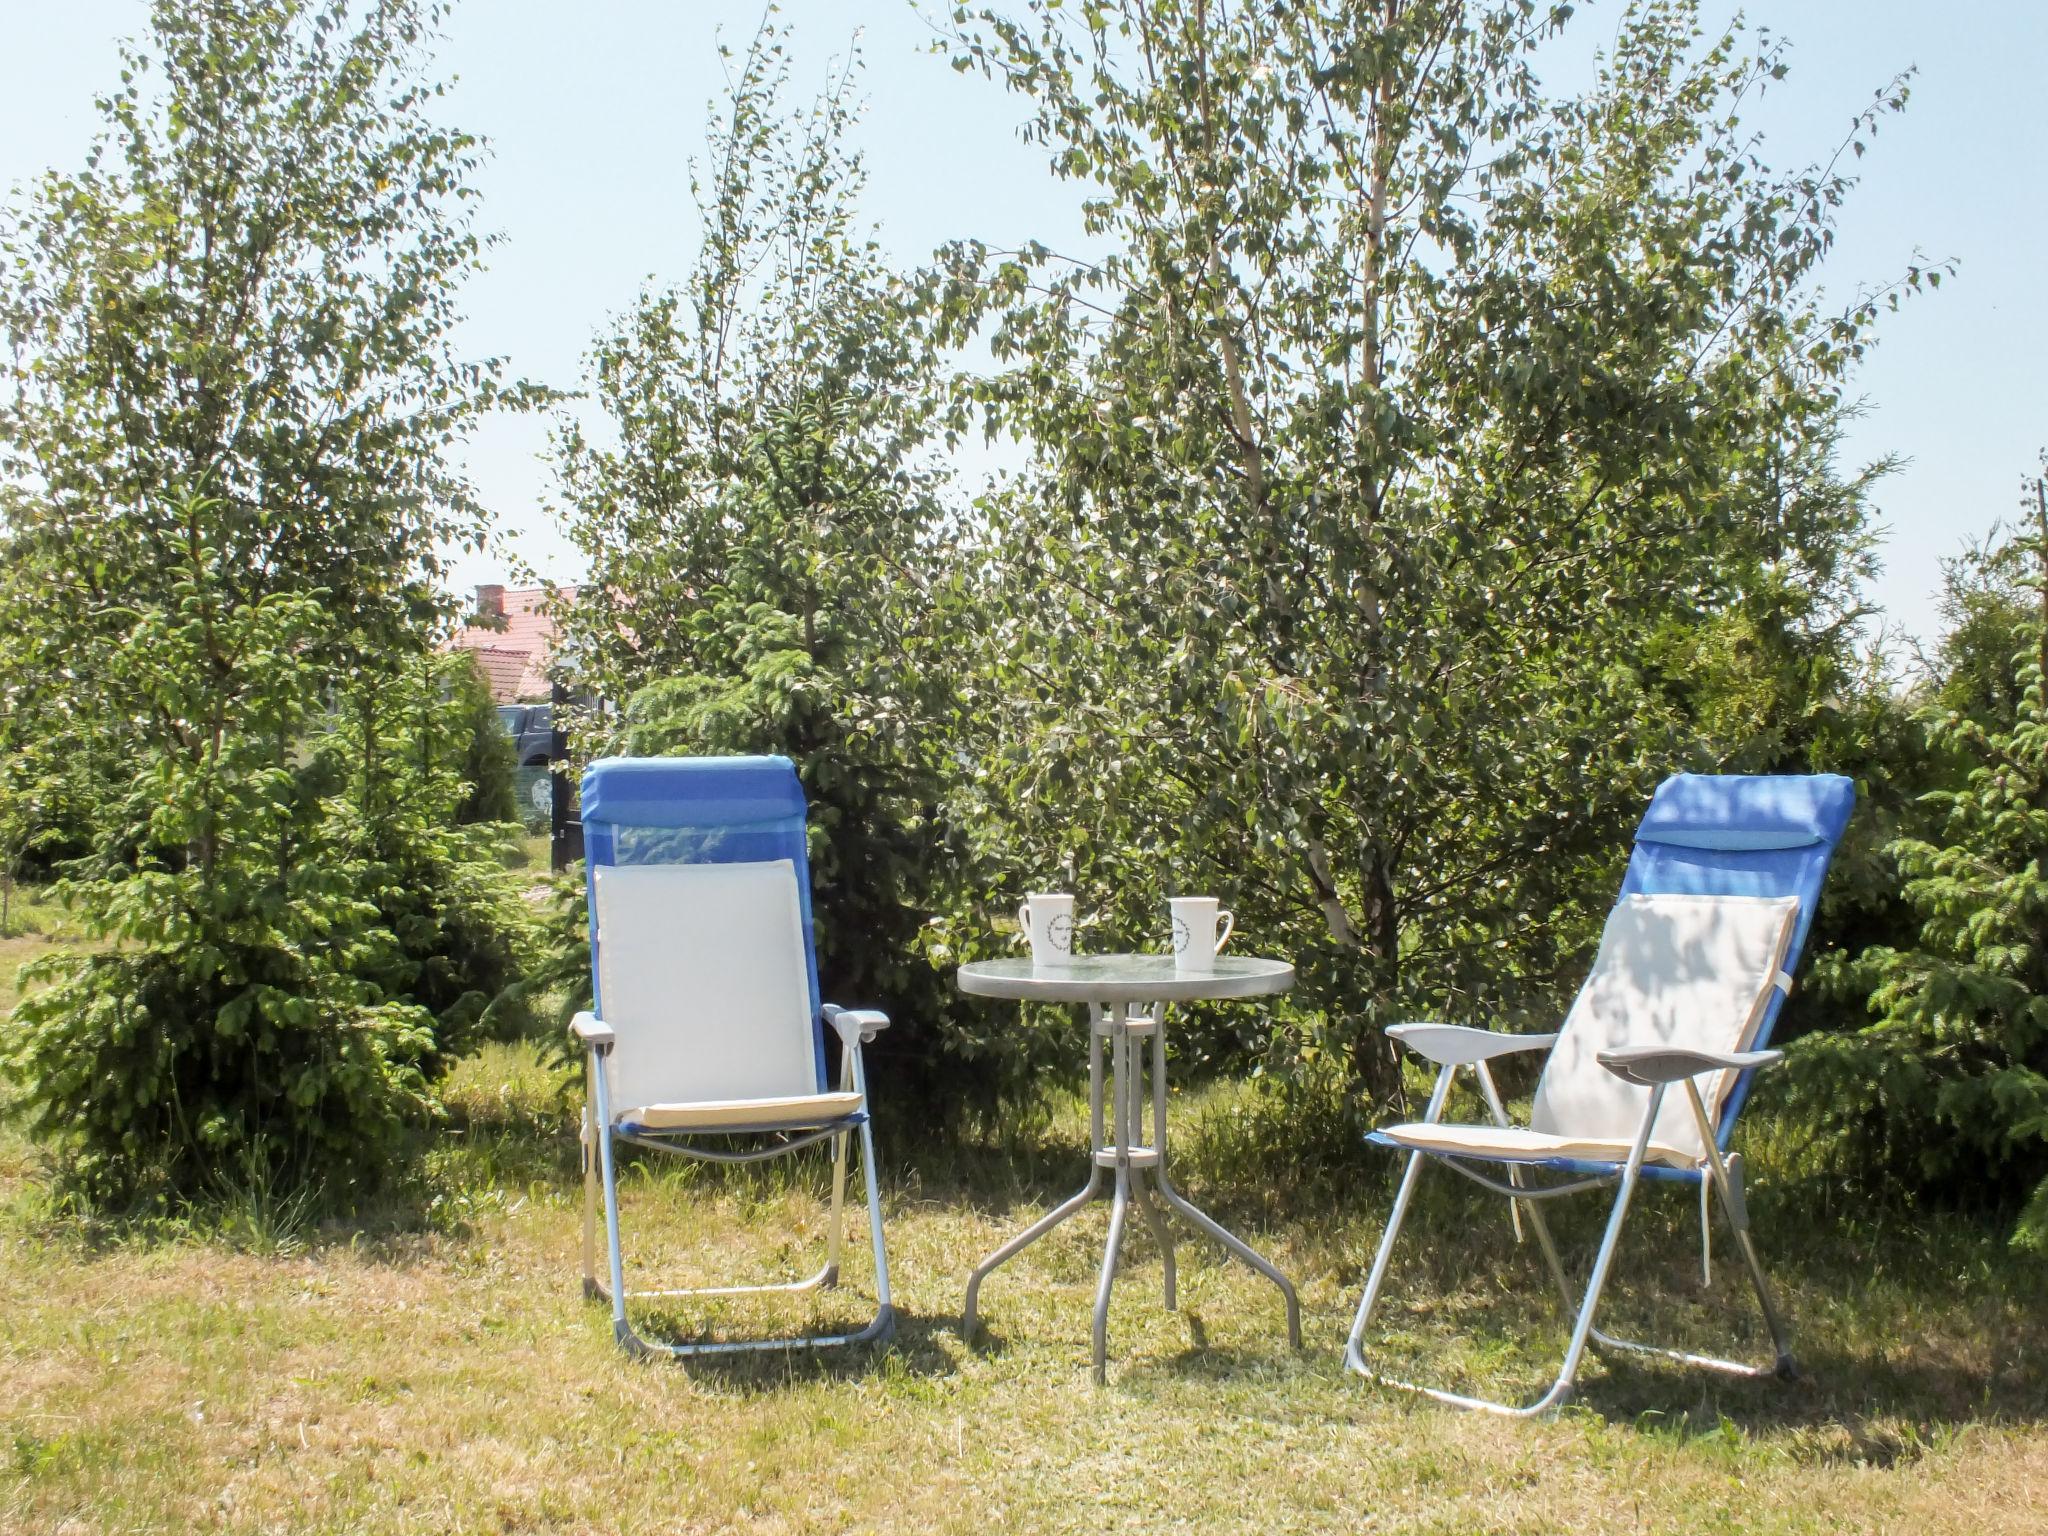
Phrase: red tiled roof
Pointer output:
(504, 670)
(514, 653)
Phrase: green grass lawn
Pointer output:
(35, 922)
(437, 1369)
(531, 857)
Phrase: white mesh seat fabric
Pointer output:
(1689, 971)
(701, 968)
(787, 1114)
(1511, 1144)
(1693, 967)
(706, 1036)
(1694, 973)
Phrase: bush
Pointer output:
(1948, 1088)
(231, 1022)
(296, 938)
(151, 1071)
(461, 937)
(485, 760)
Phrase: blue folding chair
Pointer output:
(1694, 964)
(707, 1022)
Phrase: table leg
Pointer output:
(1020, 1242)
(1148, 1207)
(1200, 1218)
(1242, 1249)
(1143, 1193)
(1117, 1212)
(1099, 1016)
(1114, 1127)
(1065, 1208)
(1122, 1104)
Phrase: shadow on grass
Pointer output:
(1848, 1406)
(1204, 1361)
(913, 1351)
(1220, 1366)
(1906, 1331)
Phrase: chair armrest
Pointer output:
(1648, 1065)
(1458, 1045)
(856, 1026)
(592, 1032)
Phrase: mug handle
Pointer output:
(1024, 919)
(1229, 920)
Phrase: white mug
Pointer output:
(1047, 919)
(1195, 937)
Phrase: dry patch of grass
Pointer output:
(439, 1371)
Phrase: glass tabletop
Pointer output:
(1125, 979)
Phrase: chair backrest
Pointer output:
(1688, 971)
(1719, 896)
(700, 928)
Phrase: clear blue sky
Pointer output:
(594, 109)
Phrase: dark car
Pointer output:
(532, 729)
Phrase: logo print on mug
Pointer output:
(1047, 919)
(1200, 929)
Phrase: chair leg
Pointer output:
(1354, 1345)
(1561, 1387)
(1727, 1179)
(1602, 1261)
(880, 1327)
(1786, 1366)
(835, 1233)
(1354, 1350)
(1550, 1257)
(885, 1318)
(591, 1288)
(1516, 1203)
(1729, 1182)
(1500, 1118)
(622, 1330)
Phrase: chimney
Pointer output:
(490, 606)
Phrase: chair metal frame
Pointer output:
(601, 1135)
(1722, 1171)
(1785, 832)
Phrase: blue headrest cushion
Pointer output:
(692, 791)
(1745, 812)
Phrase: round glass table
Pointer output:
(1126, 997)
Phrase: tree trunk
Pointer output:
(1373, 1059)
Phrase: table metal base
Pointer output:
(1138, 1171)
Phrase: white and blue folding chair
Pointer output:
(707, 1037)
(1693, 966)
